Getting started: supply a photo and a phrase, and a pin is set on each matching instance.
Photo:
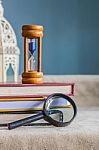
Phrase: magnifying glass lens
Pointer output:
(59, 109)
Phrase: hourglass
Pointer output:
(32, 43)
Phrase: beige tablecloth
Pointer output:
(82, 134)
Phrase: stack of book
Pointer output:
(29, 97)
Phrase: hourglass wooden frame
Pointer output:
(32, 32)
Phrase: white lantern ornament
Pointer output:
(9, 51)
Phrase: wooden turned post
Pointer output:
(39, 54)
(25, 55)
(32, 76)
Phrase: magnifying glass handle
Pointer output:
(24, 121)
(33, 118)
(3, 124)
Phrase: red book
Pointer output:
(38, 90)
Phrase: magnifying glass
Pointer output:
(59, 110)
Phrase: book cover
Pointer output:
(36, 89)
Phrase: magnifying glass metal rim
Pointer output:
(52, 121)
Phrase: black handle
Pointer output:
(24, 121)
(33, 118)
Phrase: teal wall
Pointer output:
(71, 41)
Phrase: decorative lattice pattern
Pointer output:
(9, 51)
